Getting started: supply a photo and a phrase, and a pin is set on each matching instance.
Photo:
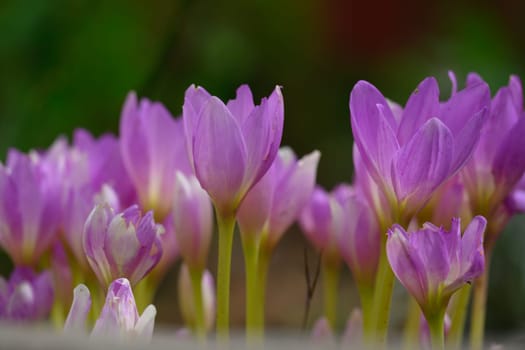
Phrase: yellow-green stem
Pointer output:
(411, 330)
(366, 295)
(436, 323)
(144, 293)
(250, 247)
(479, 303)
(263, 265)
(196, 287)
(226, 224)
(458, 314)
(331, 271)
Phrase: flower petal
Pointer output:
(422, 105)
(76, 319)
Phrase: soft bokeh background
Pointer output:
(68, 64)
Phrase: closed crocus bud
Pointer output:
(187, 302)
(29, 207)
(78, 313)
(231, 146)
(126, 244)
(359, 240)
(322, 332)
(272, 205)
(119, 317)
(410, 156)
(353, 333)
(27, 296)
(192, 220)
(432, 263)
(153, 148)
(322, 221)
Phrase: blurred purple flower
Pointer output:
(153, 148)
(272, 205)
(433, 263)
(121, 245)
(27, 296)
(231, 146)
(29, 207)
(359, 238)
(192, 220)
(410, 155)
(186, 298)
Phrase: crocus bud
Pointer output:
(153, 148)
(187, 302)
(192, 220)
(359, 238)
(29, 207)
(276, 201)
(27, 296)
(322, 222)
(353, 334)
(410, 156)
(322, 332)
(432, 263)
(78, 313)
(119, 316)
(231, 146)
(121, 245)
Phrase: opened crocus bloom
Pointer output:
(410, 152)
(271, 206)
(27, 296)
(126, 244)
(153, 149)
(231, 146)
(29, 207)
(433, 263)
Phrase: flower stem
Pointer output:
(196, 287)
(458, 313)
(331, 271)
(226, 223)
(436, 325)
(411, 330)
(479, 303)
(263, 265)
(250, 247)
(366, 295)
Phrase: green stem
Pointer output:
(411, 330)
(196, 287)
(226, 225)
(479, 301)
(250, 247)
(458, 313)
(436, 323)
(331, 271)
(366, 295)
(144, 293)
(262, 278)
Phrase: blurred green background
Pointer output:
(68, 64)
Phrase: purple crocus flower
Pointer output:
(411, 154)
(272, 205)
(498, 162)
(231, 146)
(192, 220)
(153, 148)
(121, 245)
(29, 207)
(119, 318)
(359, 238)
(27, 296)
(433, 263)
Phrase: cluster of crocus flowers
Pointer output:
(114, 213)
